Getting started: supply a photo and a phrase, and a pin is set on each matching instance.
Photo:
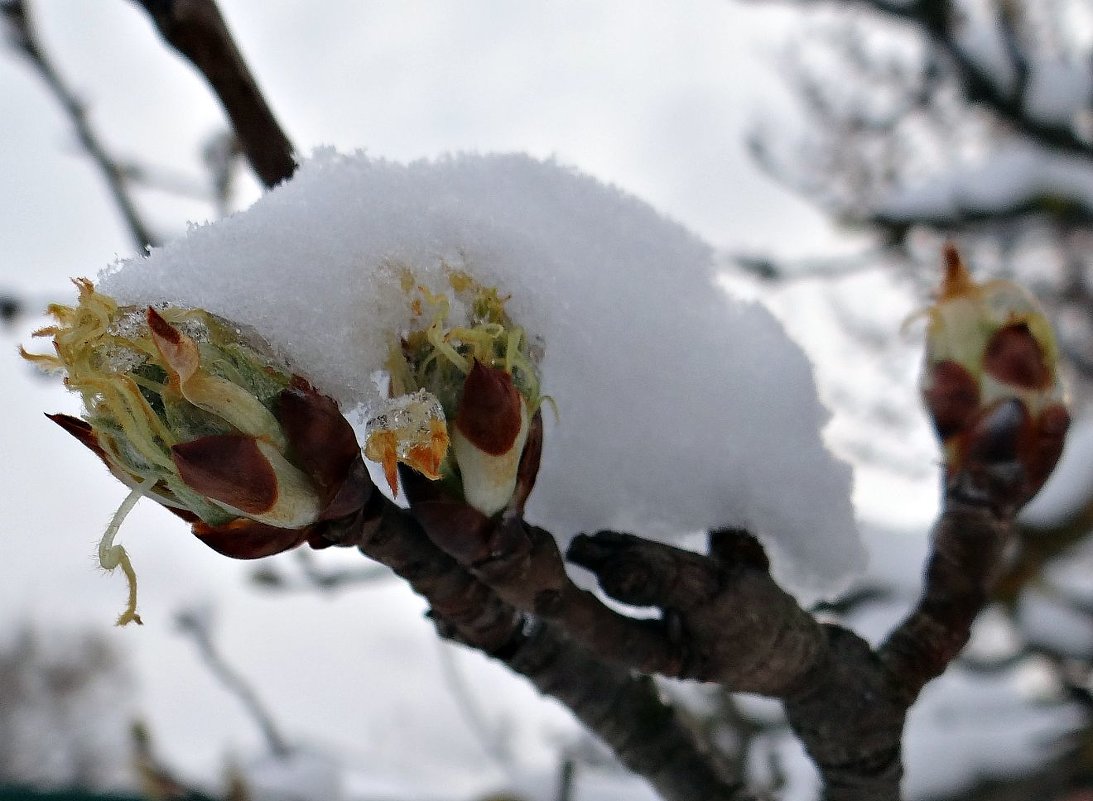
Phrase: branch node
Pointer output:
(736, 546)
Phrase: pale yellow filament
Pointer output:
(112, 556)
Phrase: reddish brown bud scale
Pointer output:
(321, 439)
(489, 412)
(249, 539)
(350, 497)
(81, 431)
(1042, 451)
(162, 328)
(528, 469)
(1013, 356)
(324, 445)
(228, 468)
(455, 527)
(952, 398)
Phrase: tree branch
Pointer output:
(731, 614)
(196, 29)
(730, 621)
(24, 37)
(937, 20)
(192, 624)
(625, 711)
(966, 555)
(846, 702)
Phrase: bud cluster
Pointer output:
(465, 394)
(198, 414)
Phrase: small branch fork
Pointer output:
(499, 585)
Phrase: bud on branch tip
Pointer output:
(186, 408)
(990, 381)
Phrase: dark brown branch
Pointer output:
(850, 720)
(711, 608)
(196, 29)
(845, 702)
(24, 37)
(965, 561)
(751, 636)
(623, 710)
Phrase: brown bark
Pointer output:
(623, 709)
(196, 29)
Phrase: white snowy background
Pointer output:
(650, 96)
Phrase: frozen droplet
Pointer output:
(131, 323)
(119, 359)
(193, 328)
(410, 418)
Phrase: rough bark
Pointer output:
(623, 709)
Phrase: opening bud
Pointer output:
(462, 374)
(990, 380)
(198, 414)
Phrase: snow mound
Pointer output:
(680, 408)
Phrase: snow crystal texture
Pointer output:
(680, 408)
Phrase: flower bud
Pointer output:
(990, 379)
(187, 409)
(479, 371)
(489, 436)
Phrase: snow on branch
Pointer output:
(482, 286)
(679, 408)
